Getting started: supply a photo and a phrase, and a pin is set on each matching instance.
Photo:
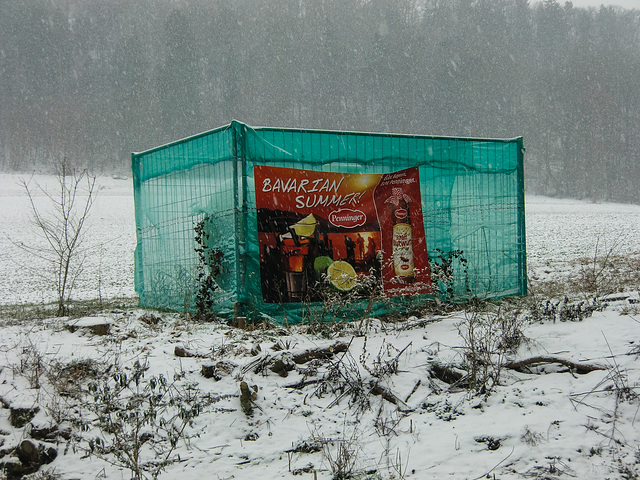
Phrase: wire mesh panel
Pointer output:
(198, 218)
(179, 188)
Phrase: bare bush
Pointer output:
(545, 310)
(344, 379)
(358, 381)
(61, 227)
(136, 422)
(341, 453)
(487, 338)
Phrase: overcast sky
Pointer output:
(597, 3)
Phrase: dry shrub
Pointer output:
(487, 338)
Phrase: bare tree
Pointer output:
(61, 226)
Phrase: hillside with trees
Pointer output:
(93, 81)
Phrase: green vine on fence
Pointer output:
(441, 265)
(208, 268)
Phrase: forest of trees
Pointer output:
(92, 81)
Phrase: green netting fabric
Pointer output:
(197, 219)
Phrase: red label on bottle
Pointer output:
(401, 213)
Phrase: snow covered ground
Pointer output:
(557, 231)
(109, 243)
(375, 399)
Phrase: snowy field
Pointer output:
(109, 243)
(557, 231)
(377, 404)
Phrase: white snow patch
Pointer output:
(548, 422)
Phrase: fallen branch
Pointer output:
(320, 353)
(183, 352)
(303, 383)
(389, 396)
(412, 325)
(418, 383)
(579, 367)
(446, 374)
(486, 475)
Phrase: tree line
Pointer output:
(93, 81)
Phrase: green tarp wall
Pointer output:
(472, 202)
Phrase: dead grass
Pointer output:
(16, 314)
(589, 277)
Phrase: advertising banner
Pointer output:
(356, 233)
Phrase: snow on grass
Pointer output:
(374, 406)
(541, 423)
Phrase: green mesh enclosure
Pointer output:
(197, 220)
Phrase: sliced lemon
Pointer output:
(342, 275)
(305, 227)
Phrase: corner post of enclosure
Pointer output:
(240, 208)
(522, 242)
(138, 270)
